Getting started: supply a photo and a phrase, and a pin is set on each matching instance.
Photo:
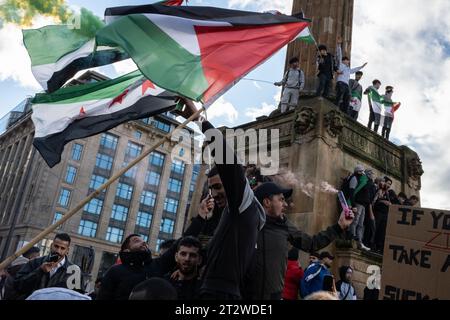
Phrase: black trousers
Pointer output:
(371, 119)
(323, 88)
(354, 114)
(380, 233)
(343, 93)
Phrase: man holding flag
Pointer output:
(356, 91)
(389, 109)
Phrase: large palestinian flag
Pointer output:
(198, 52)
(377, 101)
(81, 111)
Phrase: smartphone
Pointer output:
(53, 258)
(328, 283)
(344, 205)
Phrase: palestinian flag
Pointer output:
(81, 111)
(377, 101)
(198, 52)
(306, 36)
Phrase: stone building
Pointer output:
(150, 199)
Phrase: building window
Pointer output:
(132, 172)
(167, 225)
(57, 217)
(157, 159)
(178, 166)
(181, 152)
(64, 198)
(94, 206)
(144, 237)
(114, 234)
(119, 212)
(133, 150)
(124, 191)
(103, 161)
(109, 141)
(77, 150)
(144, 219)
(148, 198)
(146, 120)
(137, 134)
(174, 185)
(152, 178)
(87, 228)
(71, 173)
(161, 125)
(97, 181)
(171, 205)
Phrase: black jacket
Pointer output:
(232, 247)
(186, 289)
(120, 279)
(31, 277)
(266, 277)
(327, 66)
(204, 229)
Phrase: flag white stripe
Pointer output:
(44, 72)
(51, 118)
(182, 29)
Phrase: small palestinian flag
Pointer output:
(306, 36)
(81, 111)
(355, 100)
(198, 52)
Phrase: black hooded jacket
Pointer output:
(136, 267)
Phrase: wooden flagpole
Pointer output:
(72, 212)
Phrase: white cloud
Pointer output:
(222, 108)
(264, 110)
(16, 61)
(403, 42)
(284, 6)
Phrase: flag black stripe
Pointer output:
(52, 146)
(235, 17)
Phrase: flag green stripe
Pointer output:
(147, 45)
(375, 96)
(91, 91)
(48, 44)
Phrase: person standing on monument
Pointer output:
(293, 82)
(343, 79)
(326, 67)
(375, 113)
(389, 110)
(356, 92)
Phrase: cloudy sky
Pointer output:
(406, 42)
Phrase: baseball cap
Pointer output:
(268, 189)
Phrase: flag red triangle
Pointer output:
(82, 112)
(147, 84)
(119, 98)
(229, 53)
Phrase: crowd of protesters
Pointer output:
(348, 94)
(240, 246)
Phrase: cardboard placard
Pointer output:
(416, 261)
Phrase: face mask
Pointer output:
(136, 257)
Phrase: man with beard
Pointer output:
(137, 266)
(47, 271)
(186, 278)
(233, 245)
(265, 280)
(384, 198)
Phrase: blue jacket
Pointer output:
(312, 280)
